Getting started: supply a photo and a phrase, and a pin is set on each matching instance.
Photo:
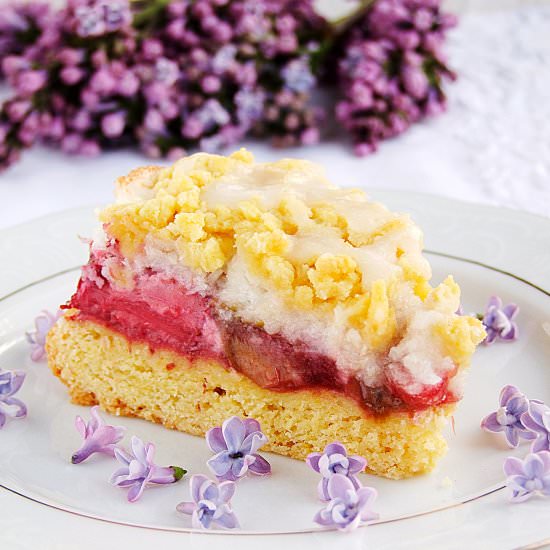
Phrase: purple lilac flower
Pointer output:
(335, 460)
(175, 76)
(391, 70)
(138, 469)
(528, 477)
(498, 321)
(537, 420)
(10, 383)
(509, 417)
(211, 503)
(236, 444)
(37, 338)
(98, 437)
(348, 507)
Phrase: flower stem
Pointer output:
(178, 472)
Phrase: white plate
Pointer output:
(495, 251)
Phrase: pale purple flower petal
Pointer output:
(10, 384)
(498, 321)
(233, 433)
(215, 440)
(537, 421)
(195, 484)
(37, 338)
(313, 461)
(260, 466)
(138, 469)
(335, 460)
(220, 463)
(98, 437)
(186, 508)
(211, 503)
(235, 444)
(253, 442)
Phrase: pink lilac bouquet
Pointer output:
(174, 76)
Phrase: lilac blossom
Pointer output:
(509, 417)
(236, 444)
(37, 338)
(98, 437)
(391, 70)
(22, 24)
(348, 507)
(174, 76)
(166, 76)
(335, 460)
(211, 503)
(537, 420)
(528, 477)
(498, 321)
(138, 469)
(10, 383)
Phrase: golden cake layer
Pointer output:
(100, 366)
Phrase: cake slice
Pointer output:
(219, 287)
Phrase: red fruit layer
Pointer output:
(163, 313)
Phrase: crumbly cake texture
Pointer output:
(274, 248)
(100, 367)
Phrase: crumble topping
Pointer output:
(287, 250)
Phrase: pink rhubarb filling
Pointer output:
(161, 312)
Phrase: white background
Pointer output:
(492, 146)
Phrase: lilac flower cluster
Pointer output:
(241, 66)
(168, 76)
(348, 502)
(519, 417)
(391, 69)
(73, 84)
(176, 75)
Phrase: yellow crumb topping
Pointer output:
(372, 315)
(460, 334)
(316, 245)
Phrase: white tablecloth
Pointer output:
(492, 146)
